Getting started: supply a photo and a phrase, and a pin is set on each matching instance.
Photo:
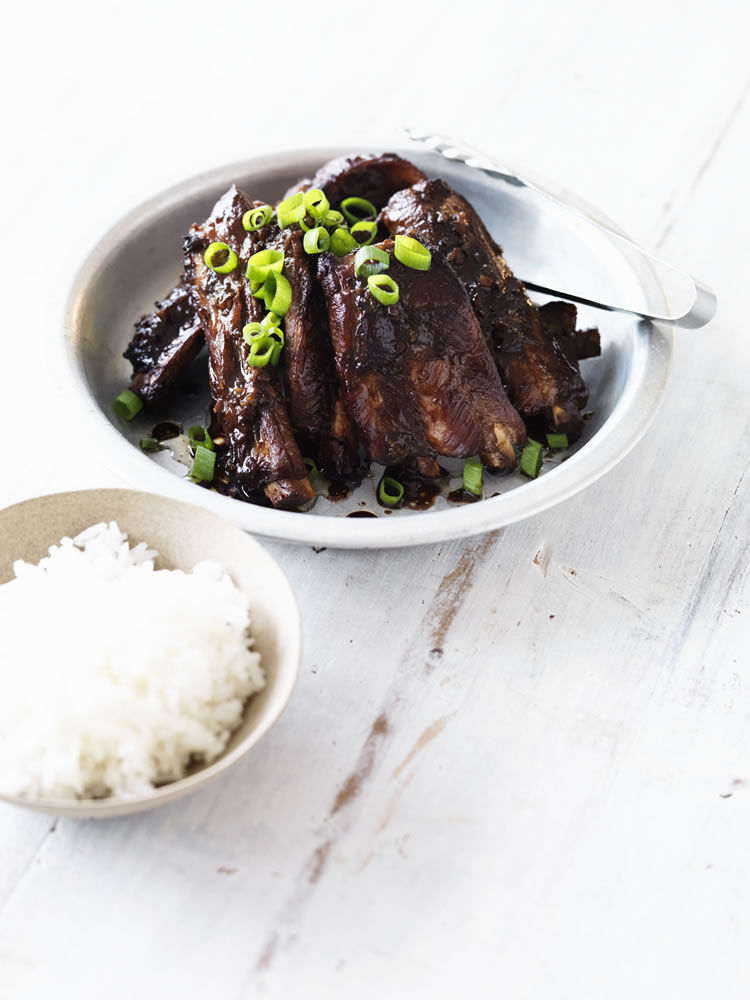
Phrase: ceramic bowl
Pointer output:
(183, 534)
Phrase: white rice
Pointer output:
(116, 676)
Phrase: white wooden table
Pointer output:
(515, 766)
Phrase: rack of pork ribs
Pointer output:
(460, 366)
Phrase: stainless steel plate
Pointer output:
(139, 260)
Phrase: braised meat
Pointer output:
(417, 376)
(559, 320)
(311, 383)
(164, 344)
(262, 454)
(541, 381)
(373, 177)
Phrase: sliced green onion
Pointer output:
(371, 228)
(473, 476)
(199, 436)
(261, 352)
(342, 242)
(277, 293)
(149, 444)
(316, 204)
(127, 404)
(331, 219)
(277, 336)
(390, 491)
(370, 260)
(215, 258)
(316, 240)
(557, 440)
(291, 210)
(312, 469)
(383, 287)
(203, 464)
(411, 253)
(261, 264)
(531, 458)
(253, 332)
(357, 209)
(256, 218)
(269, 320)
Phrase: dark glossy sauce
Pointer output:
(338, 490)
(462, 496)
(166, 430)
(361, 513)
(421, 494)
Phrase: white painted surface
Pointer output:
(556, 807)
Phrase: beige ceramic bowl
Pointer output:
(183, 535)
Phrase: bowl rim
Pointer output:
(630, 419)
(284, 685)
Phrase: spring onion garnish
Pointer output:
(261, 352)
(277, 336)
(370, 260)
(220, 258)
(256, 218)
(312, 469)
(253, 332)
(127, 404)
(203, 465)
(277, 293)
(260, 266)
(291, 210)
(270, 319)
(316, 204)
(390, 491)
(357, 209)
(342, 242)
(557, 440)
(473, 476)
(199, 437)
(383, 288)
(316, 240)
(368, 229)
(411, 253)
(531, 458)
(331, 219)
(149, 444)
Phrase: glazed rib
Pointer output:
(559, 320)
(417, 377)
(312, 386)
(262, 454)
(373, 177)
(164, 344)
(541, 381)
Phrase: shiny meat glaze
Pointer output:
(262, 452)
(541, 381)
(312, 386)
(164, 344)
(417, 376)
(373, 177)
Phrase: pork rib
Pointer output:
(164, 344)
(373, 177)
(417, 376)
(541, 381)
(262, 454)
(312, 386)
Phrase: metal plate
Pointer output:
(140, 259)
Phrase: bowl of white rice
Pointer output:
(145, 646)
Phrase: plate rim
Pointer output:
(615, 439)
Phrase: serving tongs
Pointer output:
(691, 303)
